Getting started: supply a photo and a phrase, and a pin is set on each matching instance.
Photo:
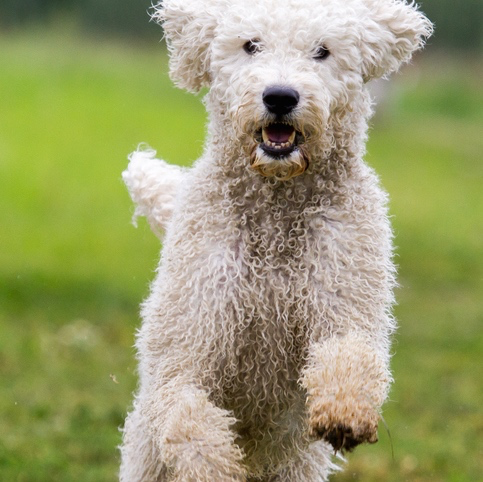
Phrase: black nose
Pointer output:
(280, 100)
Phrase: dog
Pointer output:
(265, 341)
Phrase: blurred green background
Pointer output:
(81, 84)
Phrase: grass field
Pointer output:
(73, 270)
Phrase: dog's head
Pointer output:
(280, 70)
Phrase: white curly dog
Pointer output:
(265, 342)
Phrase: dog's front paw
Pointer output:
(346, 382)
(344, 427)
(343, 437)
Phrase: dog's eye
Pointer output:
(321, 53)
(252, 47)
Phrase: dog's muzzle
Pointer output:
(279, 147)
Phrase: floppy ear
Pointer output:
(392, 31)
(188, 28)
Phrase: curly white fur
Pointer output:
(266, 336)
(153, 185)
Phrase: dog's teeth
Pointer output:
(265, 136)
(278, 145)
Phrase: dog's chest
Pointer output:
(269, 303)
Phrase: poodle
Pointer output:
(265, 342)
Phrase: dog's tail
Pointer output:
(153, 185)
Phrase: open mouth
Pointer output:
(279, 151)
(278, 139)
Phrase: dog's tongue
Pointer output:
(279, 133)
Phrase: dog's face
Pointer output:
(280, 70)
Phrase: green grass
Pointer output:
(73, 270)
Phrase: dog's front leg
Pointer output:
(347, 380)
(193, 435)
